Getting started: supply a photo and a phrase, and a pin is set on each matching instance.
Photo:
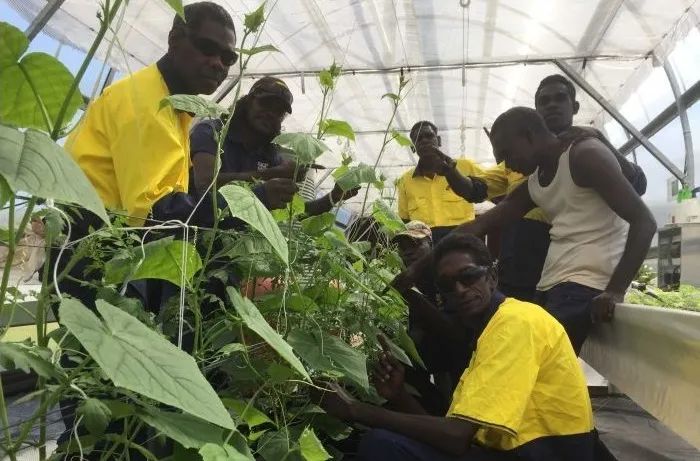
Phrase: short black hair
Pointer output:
(417, 126)
(466, 243)
(557, 79)
(519, 120)
(197, 13)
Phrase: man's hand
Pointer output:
(338, 403)
(433, 159)
(279, 192)
(603, 306)
(338, 194)
(389, 374)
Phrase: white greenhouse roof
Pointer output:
(504, 45)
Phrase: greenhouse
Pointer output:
(243, 230)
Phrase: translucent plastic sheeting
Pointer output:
(653, 355)
(501, 44)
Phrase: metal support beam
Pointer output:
(603, 17)
(685, 125)
(614, 113)
(42, 18)
(687, 99)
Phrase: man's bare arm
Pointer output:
(594, 165)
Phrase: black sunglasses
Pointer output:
(467, 277)
(210, 48)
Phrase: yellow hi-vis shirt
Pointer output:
(133, 152)
(501, 180)
(524, 383)
(432, 201)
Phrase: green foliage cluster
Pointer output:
(243, 385)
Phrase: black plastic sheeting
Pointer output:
(632, 434)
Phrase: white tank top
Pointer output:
(588, 238)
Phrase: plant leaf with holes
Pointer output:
(163, 261)
(244, 205)
(402, 140)
(258, 49)
(255, 321)
(305, 147)
(193, 104)
(34, 86)
(138, 359)
(31, 162)
(339, 128)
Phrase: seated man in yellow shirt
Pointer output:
(440, 190)
(523, 397)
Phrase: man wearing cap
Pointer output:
(248, 152)
(444, 349)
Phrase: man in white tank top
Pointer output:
(601, 229)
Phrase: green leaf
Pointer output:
(177, 6)
(326, 79)
(402, 140)
(13, 44)
(245, 206)
(96, 416)
(335, 70)
(119, 409)
(399, 353)
(31, 162)
(212, 452)
(257, 49)
(339, 128)
(141, 360)
(232, 348)
(248, 413)
(187, 430)
(163, 261)
(356, 176)
(317, 225)
(297, 207)
(279, 374)
(193, 104)
(254, 20)
(305, 147)
(406, 343)
(275, 446)
(328, 353)
(312, 448)
(33, 87)
(19, 355)
(387, 217)
(256, 322)
(5, 192)
(392, 96)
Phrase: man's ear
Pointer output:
(577, 106)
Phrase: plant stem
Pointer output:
(10, 253)
(109, 14)
(6, 424)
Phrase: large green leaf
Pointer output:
(25, 358)
(96, 416)
(387, 217)
(245, 206)
(141, 360)
(189, 431)
(330, 354)
(163, 261)
(213, 452)
(306, 148)
(31, 162)
(256, 322)
(35, 80)
(317, 225)
(197, 105)
(355, 176)
(312, 448)
(339, 128)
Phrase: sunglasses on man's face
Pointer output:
(467, 277)
(210, 48)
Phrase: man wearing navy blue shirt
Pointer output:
(248, 153)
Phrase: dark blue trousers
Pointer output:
(383, 445)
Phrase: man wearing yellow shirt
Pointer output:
(523, 397)
(440, 190)
(524, 245)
